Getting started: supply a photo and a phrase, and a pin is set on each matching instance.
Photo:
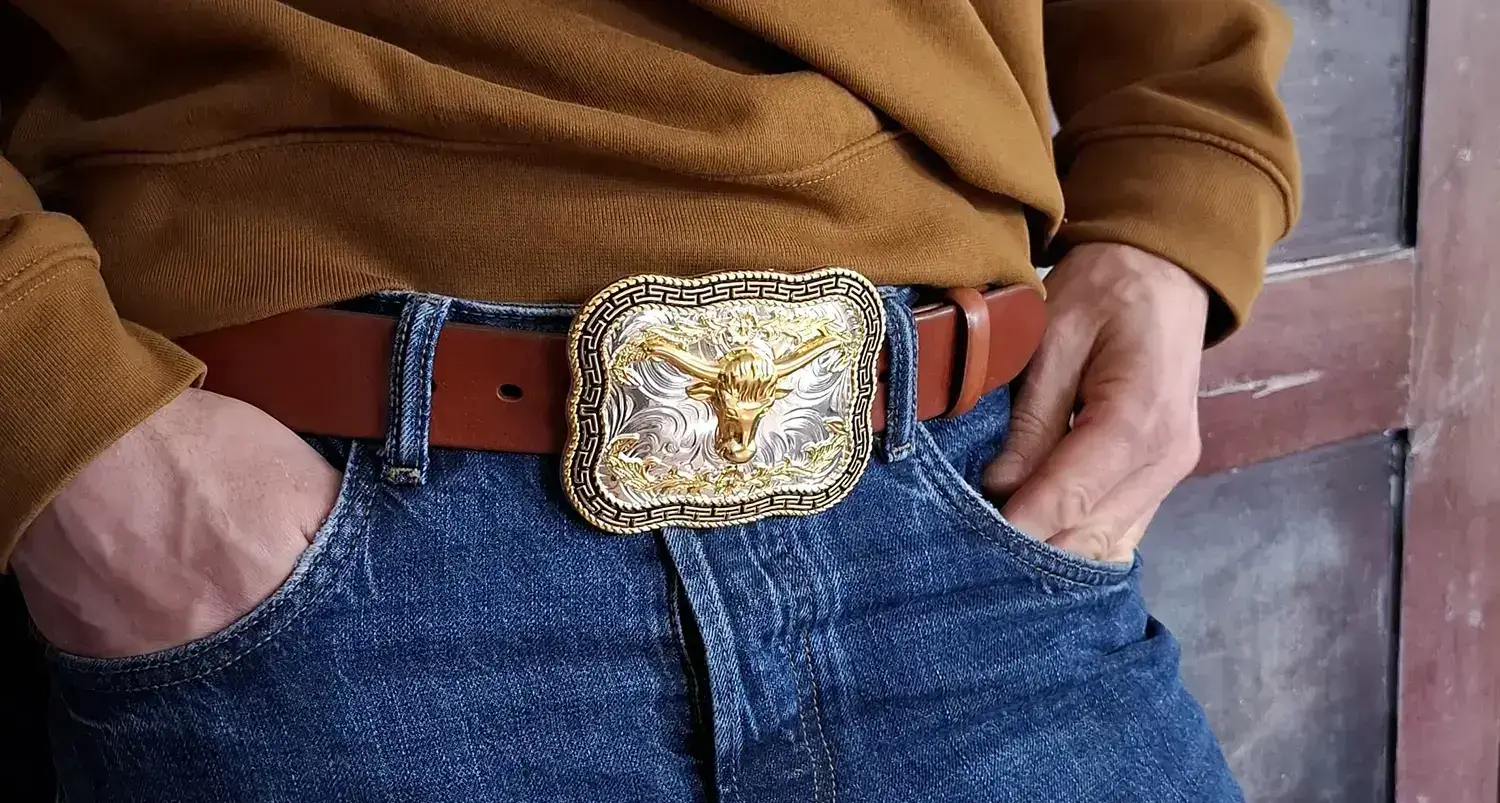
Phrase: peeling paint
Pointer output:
(1423, 439)
(1261, 388)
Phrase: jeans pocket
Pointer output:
(971, 510)
(313, 573)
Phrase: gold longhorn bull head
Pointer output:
(741, 387)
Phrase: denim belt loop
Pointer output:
(405, 453)
(901, 377)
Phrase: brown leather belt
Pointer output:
(326, 372)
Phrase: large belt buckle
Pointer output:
(720, 400)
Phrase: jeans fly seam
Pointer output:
(781, 550)
(804, 611)
(806, 737)
(674, 622)
(820, 719)
(732, 770)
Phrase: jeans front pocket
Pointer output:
(951, 455)
(313, 573)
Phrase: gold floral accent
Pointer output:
(649, 475)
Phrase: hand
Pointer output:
(180, 528)
(1123, 348)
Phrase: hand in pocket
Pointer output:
(1123, 349)
(180, 528)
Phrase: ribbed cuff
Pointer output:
(1200, 206)
(76, 379)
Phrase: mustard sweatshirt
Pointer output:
(175, 166)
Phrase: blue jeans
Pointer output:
(457, 633)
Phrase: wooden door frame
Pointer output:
(1408, 339)
(1447, 737)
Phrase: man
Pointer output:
(730, 540)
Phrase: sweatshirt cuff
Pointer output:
(77, 378)
(1199, 205)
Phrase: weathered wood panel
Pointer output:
(1324, 358)
(1348, 86)
(1450, 598)
(1277, 580)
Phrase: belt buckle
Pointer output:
(720, 400)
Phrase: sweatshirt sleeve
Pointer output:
(73, 376)
(1172, 137)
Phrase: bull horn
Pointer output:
(690, 364)
(804, 354)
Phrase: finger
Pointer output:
(1087, 464)
(1040, 413)
(1118, 523)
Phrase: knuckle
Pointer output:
(1125, 423)
(1068, 321)
(1133, 420)
(1188, 452)
(1093, 542)
(1168, 436)
(1073, 504)
(1027, 424)
(1182, 448)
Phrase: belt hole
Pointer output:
(509, 392)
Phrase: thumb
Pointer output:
(1104, 542)
(1039, 415)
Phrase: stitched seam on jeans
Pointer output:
(781, 551)
(1031, 560)
(807, 741)
(674, 623)
(411, 396)
(325, 583)
(822, 722)
(316, 578)
(1089, 577)
(396, 434)
(901, 413)
(280, 598)
(961, 495)
(439, 315)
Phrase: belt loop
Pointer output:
(405, 452)
(975, 366)
(901, 377)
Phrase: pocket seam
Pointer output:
(1063, 568)
(313, 575)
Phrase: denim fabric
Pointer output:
(457, 633)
